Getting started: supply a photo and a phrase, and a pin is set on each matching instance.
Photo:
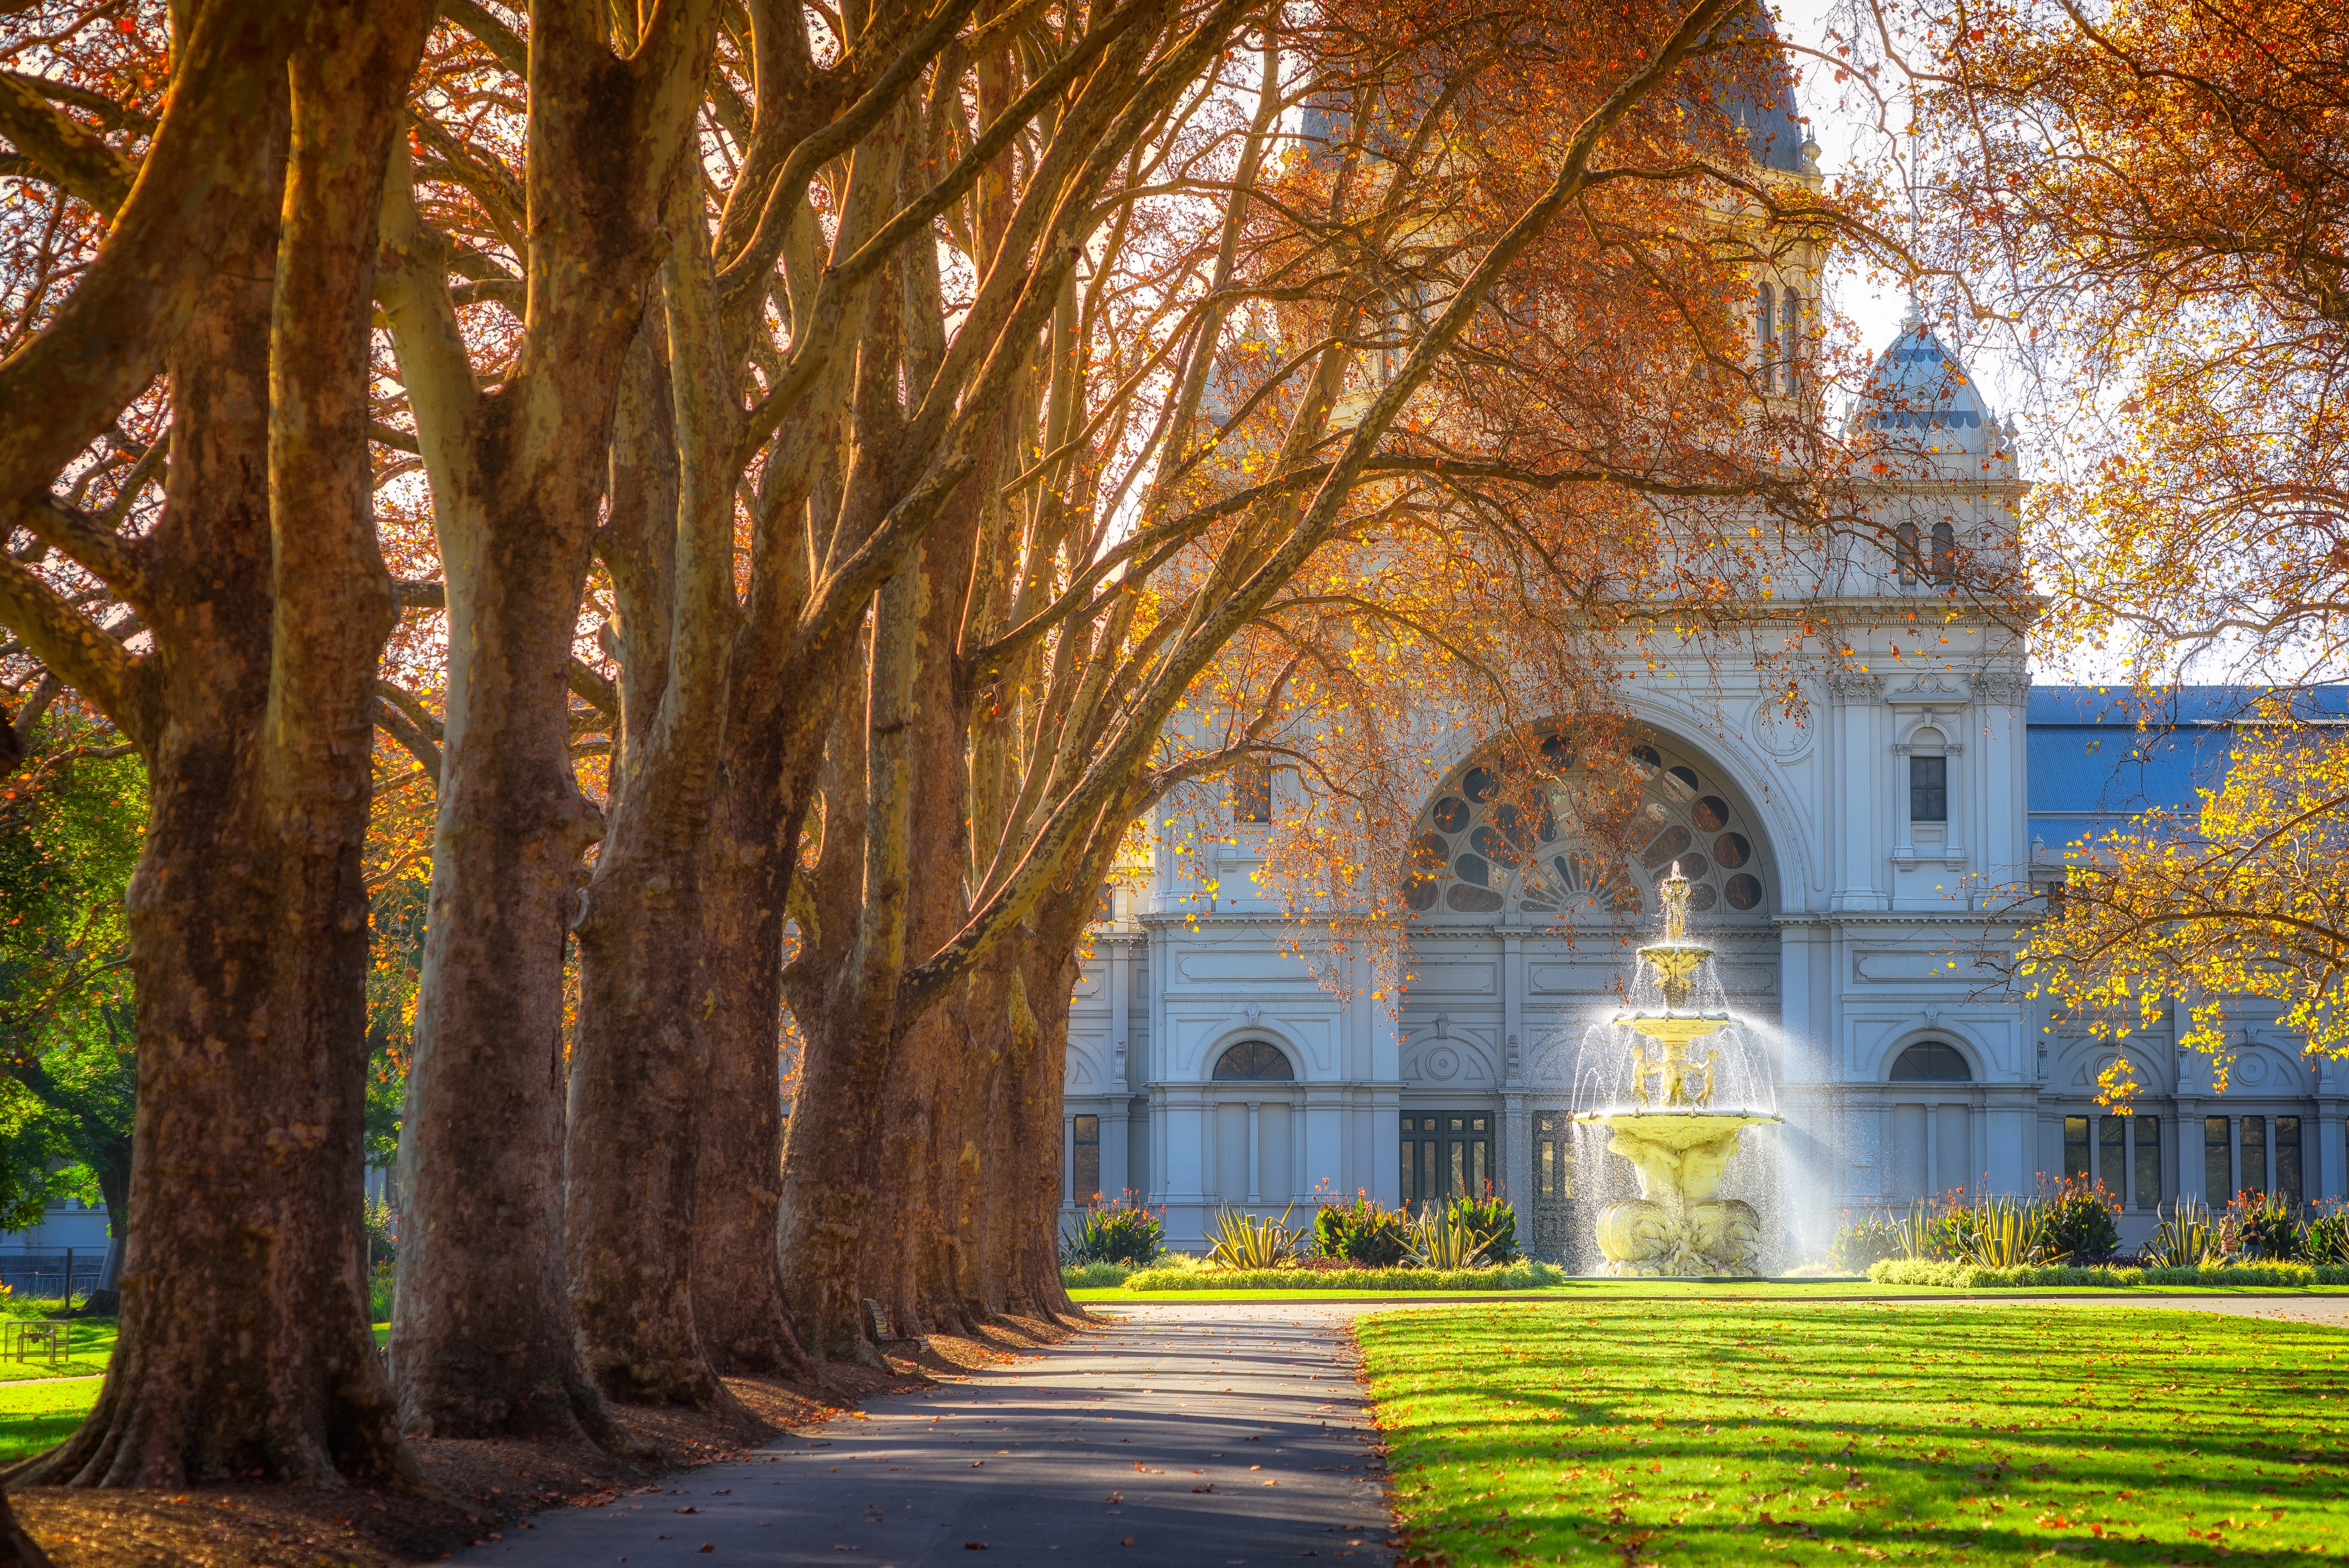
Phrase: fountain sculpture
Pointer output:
(1677, 1086)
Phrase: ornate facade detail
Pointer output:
(2005, 686)
(1935, 689)
(1855, 686)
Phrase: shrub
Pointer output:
(1093, 1276)
(1495, 1221)
(1244, 1241)
(2007, 1233)
(379, 1293)
(1523, 1276)
(1115, 1234)
(1363, 1233)
(1443, 1240)
(2080, 1220)
(382, 1232)
(1871, 1239)
(2326, 1238)
(2264, 1228)
(2184, 1237)
(1934, 1229)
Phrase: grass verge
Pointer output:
(1919, 1272)
(88, 1342)
(1509, 1277)
(40, 1413)
(1671, 1434)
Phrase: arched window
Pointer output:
(1766, 336)
(1945, 552)
(1575, 839)
(1905, 553)
(1931, 1061)
(1790, 341)
(1254, 1060)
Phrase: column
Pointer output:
(1512, 1145)
(1854, 833)
(1256, 1152)
(1068, 1157)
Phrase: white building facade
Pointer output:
(1854, 863)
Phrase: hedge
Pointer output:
(1523, 1276)
(1974, 1276)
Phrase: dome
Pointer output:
(1920, 397)
(1756, 91)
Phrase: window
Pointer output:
(1254, 1060)
(1086, 1187)
(1447, 1154)
(1905, 555)
(2218, 1171)
(1945, 552)
(1929, 789)
(1549, 842)
(2255, 1154)
(1764, 319)
(2146, 1193)
(2112, 1154)
(1931, 1061)
(1790, 341)
(1553, 1184)
(1251, 788)
(2287, 1147)
(2075, 1148)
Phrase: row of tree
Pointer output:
(860, 445)
(792, 488)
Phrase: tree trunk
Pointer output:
(737, 1275)
(114, 1187)
(17, 1549)
(1036, 1079)
(245, 1348)
(481, 1337)
(482, 1341)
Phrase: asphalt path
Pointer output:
(1185, 1435)
(1202, 1434)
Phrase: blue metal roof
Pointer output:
(2099, 754)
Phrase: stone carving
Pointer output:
(1855, 686)
(1719, 1237)
(2002, 686)
(1935, 686)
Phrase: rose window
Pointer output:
(1586, 842)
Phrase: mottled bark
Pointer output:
(482, 1336)
(17, 1549)
(245, 1348)
(738, 1276)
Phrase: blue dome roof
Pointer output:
(1920, 396)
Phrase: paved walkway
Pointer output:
(1188, 1435)
(1191, 1435)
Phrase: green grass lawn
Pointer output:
(1702, 1289)
(1739, 1433)
(38, 1412)
(88, 1342)
(43, 1413)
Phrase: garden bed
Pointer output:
(1976, 1276)
(1525, 1276)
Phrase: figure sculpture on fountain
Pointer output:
(1660, 1106)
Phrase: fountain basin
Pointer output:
(1679, 1226)
(1675, 1028)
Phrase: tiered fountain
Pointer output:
(1678, 1084)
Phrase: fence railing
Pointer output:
(52, 1274)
